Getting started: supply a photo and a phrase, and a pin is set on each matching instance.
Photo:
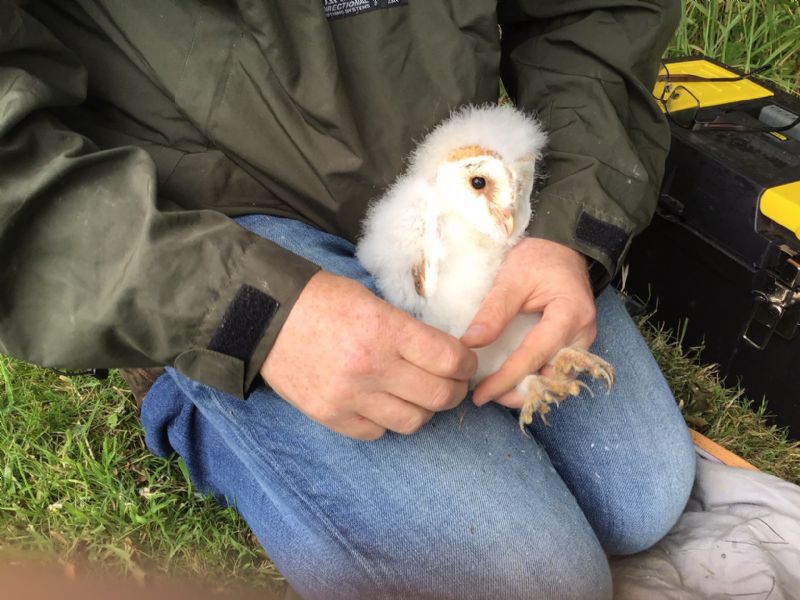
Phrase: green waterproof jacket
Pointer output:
(131, 131)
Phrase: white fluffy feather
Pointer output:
(431, 217)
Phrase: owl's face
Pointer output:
(493, 196)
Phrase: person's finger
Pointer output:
(512, 399)
(502, 303)
(417, 386)
(356, 426)
(539, 346)
(393, 413)
(436, 352)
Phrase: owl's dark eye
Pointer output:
(478, 183)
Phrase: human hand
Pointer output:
(359, 366)
(536, 276)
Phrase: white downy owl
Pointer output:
(436, 239)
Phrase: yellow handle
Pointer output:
(782, 204)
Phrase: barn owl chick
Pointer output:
(436, 239)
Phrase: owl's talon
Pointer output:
(585, 387)
(607, 377)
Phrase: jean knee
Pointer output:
(644, 508)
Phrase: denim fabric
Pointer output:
(469, 506)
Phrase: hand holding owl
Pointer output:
(359, 366)
(537, 276)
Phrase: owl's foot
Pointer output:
(570, 362)
(541, 391)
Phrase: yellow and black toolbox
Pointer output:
(722, 256)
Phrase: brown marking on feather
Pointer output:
(471, 151)
(418, 273)
(490, 191)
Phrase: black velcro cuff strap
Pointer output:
(244, 323)
(608, 238)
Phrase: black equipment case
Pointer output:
(722, 256)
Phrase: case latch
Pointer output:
(777, 310)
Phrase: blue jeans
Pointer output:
(467, 507)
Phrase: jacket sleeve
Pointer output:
(586, 67)
(97, 270)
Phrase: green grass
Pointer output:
(77, 483)
(721, 413)
(745, 34)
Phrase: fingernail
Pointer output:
(475, 330)
(480, 402)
